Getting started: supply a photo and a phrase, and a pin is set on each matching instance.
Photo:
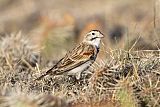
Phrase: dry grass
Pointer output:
(126, 74)
(125, 79)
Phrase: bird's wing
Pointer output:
(79, 55)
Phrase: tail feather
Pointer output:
(46, 73)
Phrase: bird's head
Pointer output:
(93, 37)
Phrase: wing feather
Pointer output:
(76, 57)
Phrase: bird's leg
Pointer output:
(78, 75)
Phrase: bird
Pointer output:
(80, 58)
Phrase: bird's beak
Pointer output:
(101, 36)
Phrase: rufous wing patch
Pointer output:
(88, 53)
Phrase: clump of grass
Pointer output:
(125, 95)
(18, 58)
(23, 100)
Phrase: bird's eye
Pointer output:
(93, 33)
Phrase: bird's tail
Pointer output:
(43, 75)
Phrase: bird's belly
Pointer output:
(80, 68)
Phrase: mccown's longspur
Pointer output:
(80, 58)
